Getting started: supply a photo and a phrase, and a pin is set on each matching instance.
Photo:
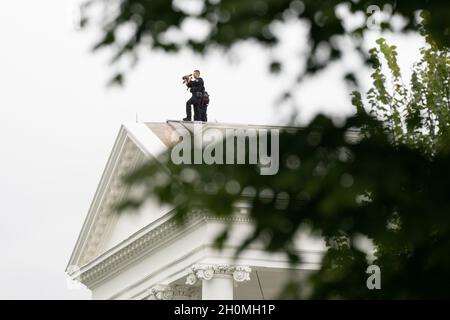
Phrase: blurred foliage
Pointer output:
(416, 114)
(129, 25)
(389, 185)
(337, 187)
(411, 248)
(382, 176)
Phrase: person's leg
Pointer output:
(197, 116)
(204, 113)
(188, 109)
(196, 104)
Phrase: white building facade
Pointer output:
(146, 254)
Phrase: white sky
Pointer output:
(59, 122)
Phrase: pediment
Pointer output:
(103, 228)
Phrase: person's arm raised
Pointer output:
(189, 82)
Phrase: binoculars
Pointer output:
(186, 77)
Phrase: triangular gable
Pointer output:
(134, 143)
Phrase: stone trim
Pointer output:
(113, 261)
(124, 156)
(208, 271)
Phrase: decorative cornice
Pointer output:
(124, 157)
(142, 243)
(209, 271)
(114, 193)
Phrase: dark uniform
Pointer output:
(197, 88)
(204, 107)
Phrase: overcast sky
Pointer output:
(59, 122)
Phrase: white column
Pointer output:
(220, 287)
(218, 279)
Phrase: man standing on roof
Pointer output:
(197, 89)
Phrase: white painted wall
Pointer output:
(129, 222)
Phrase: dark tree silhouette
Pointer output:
(390, 185)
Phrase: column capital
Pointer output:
(208, 271)
(173, 292)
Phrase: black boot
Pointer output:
(187, 119)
